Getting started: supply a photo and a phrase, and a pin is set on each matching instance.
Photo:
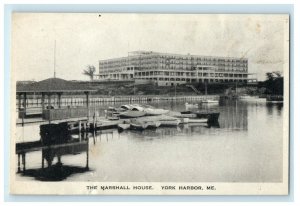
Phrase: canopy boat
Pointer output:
(132, 114)
(126, 107)
(136, 107)
(115, 109)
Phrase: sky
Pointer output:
(83, 39)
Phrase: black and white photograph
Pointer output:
(149, 104)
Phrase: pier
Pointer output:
(58, 171)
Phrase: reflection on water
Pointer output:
(55, 169)
(245, 146)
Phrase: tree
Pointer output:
(90, 71)
(274, 83)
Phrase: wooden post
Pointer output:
(87, 155)
(94, 136)
(79, 129)
(19, 168)
(87, 103)
(84, 127)
(49, 100)
(59, 99)
(43, 100)
(43, 160)
(24, 102)
(19, 100)
(94, 117)
(24, 161)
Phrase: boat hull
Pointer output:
(136, 126)
(211, 116)
(169, 123)
(123, 126)
(197, 120)
(132, 114)
(153, 125)
(155, 112)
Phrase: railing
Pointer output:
(65, 113)
(194, 89)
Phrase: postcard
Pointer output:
(149, 104)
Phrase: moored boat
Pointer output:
(123, 126)
(104, 124)
(154, 111)
(126, 107)
(153, 124)
(132, 114)
(275, 99)
(210, 101)
(138, 125)
(211, 116)
(193, 120)
(169, 122)
(191, 106)
(136, 107)
(182, 114)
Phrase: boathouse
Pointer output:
(48, 89)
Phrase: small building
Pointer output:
(47, 89)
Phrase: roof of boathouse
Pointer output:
(53, 85)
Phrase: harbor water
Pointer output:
(246, 146)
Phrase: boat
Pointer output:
(126, 107)
(136, 107)
(165, 120)
(155, 111)
(123, 126)
(182, 114)
(138, 125)
(169, 122)
(192, 120)
(116, 109)
(113, 118)
(153, 124)
(191, 106)
(207, 100)
(104, 124)
(211, 116)
(132, 114)
(211, 101)
(275, 99)
(255, 99)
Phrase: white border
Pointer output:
(296, 98)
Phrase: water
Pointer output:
(245, 147)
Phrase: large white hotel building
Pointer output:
(168, 69)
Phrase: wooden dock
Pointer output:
(69, 148)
